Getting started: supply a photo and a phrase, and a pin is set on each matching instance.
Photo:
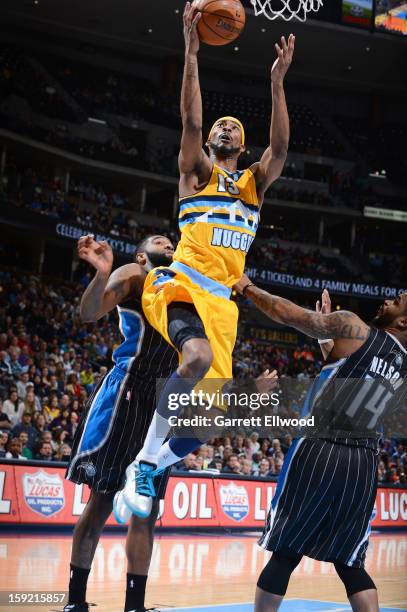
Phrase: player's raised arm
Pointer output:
(341, 325)
(107, 289)
(192, 158)
(271, 164)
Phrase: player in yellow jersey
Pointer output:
(189, 302)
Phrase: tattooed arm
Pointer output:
(107, 289)
(345, 328)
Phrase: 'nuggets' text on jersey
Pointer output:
(228, 239)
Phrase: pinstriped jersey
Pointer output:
(352, 398)
(143, 352)
(218, 225)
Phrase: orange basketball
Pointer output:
(222, 20)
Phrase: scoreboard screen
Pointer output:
(357, 12)
(391, 16)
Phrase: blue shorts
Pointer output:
(112, 431)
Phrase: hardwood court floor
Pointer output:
(193, 570)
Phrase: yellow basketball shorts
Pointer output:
(217, 312)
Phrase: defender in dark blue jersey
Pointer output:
(326, 492)
(118, 413)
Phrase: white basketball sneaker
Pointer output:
(139, 491)
(121, 511)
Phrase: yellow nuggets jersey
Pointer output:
(218, 225)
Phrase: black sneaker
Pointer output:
(82, 607)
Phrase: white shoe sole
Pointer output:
(121, 511)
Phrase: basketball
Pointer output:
(222, 21)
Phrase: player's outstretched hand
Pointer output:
(267, 381)
(98, 254)
(191, 36)
(285, 54)
(324, 306)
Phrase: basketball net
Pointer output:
(286, 9)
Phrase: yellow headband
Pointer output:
(239, 123)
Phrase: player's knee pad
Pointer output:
(276, 574)
(184, 324)
(355, 579)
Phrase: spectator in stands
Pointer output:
(22, 385)
(227, 453)
(254, 442)
(381, 472)
(56, 386)
(399, 453)
(206, 453)
(45, 380)
(72, 425)
(5, 369)
(46, 436)
(394, 477)
(188, 463)
(40, 423)
(287, 441)
(39, 387)
(13, 407)
(264, 468)
(256, 457)
(24, 358)
(87, 378)
(26, 451)
(199, 461)
(58, 437)
(276, 448)
(63, 453)
(3, 443)
(238, 444)
(66, 363)
(75, 406)
(44, 452)
(26, 427)
(5, 422)
(246, 467)
(278, 464)
(216, 463)
(232, 465)
(64, 402)
(15, 449)
(73, 387)
(265, 446)
(51, 409)
(16, 368)
(61, 421)
(31, 403)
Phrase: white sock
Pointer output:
(157, 432)
(166, 456)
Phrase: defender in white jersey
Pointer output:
(327, 488)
